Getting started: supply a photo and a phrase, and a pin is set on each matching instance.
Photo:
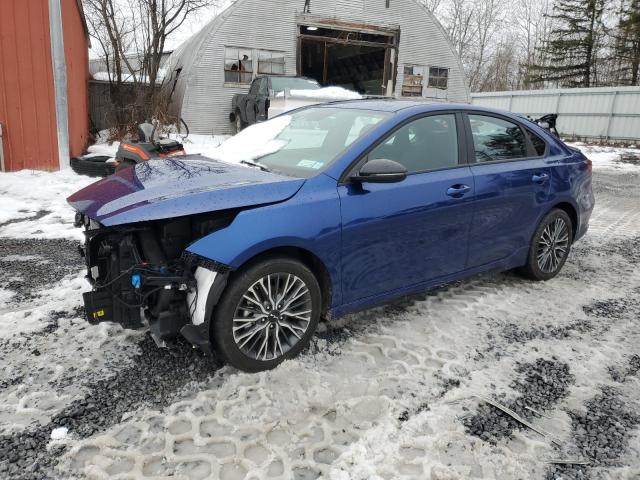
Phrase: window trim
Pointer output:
(471, 154)
(271, 62)
(404, 76)
(345, 178)
(448, 70)
(239, 83)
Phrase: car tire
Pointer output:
(239, 124)
(550, 246)
(92, 166)
(240, 340)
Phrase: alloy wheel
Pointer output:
(553, 246)
(272, 316)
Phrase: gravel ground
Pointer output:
(29, 265)
(388, 393)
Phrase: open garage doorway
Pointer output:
(359, 61)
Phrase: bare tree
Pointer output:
(158, 20)
(132, 35)
(489, 15)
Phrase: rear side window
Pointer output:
(428, 143)
(538, 144)
(496, 139)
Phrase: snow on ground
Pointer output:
(129, 78)
(388, 393)
(34, 204)
(618, 158)
(253, 142)
(194, 144)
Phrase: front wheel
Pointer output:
(268, 314)
(550, 246)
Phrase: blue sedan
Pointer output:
(336, 208)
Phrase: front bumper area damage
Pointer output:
(142, 277)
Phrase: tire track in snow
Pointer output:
(372, 397)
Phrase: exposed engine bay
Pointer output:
(142, 275)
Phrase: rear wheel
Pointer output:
(238, 123)
(550, 246)
(268, 314)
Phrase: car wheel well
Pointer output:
(573, 215)
(307, 258)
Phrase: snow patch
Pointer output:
(605, 156)
(34, 204)
(59, 433)
(129, 78)
(5, 296)
(252, 143)
(327, 93)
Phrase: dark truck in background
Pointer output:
(269, 96)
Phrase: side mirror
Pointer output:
(381, 171)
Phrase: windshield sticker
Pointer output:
(310, 164)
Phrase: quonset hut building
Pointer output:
(393, 48)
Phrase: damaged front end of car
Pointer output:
(142, 276)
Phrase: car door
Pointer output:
(512, 180)
(402, 234)
(262, 100)
(252, 101)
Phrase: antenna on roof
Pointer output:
(307, 6)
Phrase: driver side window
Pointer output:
(255, 86)
(428, 143)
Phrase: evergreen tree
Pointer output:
(570, 53)
(627, 45)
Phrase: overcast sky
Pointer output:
(191, 26)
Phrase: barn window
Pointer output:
(438, 77)
(413, 81)
(238, 65)
(270, 63)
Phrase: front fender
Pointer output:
(309, 221)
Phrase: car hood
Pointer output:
(160, 189)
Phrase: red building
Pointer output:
(43, 83)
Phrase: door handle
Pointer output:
(540, 179)
(457, 191)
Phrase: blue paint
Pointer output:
(160, 189)
(376, 241)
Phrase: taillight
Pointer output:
(589, 165)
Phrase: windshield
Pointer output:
(280, 84)
(313, 139)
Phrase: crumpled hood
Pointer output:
(160, 189)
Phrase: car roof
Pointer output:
(393, 105)
(378, 104)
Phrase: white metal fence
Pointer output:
(604, 113)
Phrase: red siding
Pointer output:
(76, 53)
(27, 99)
(27, 110)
